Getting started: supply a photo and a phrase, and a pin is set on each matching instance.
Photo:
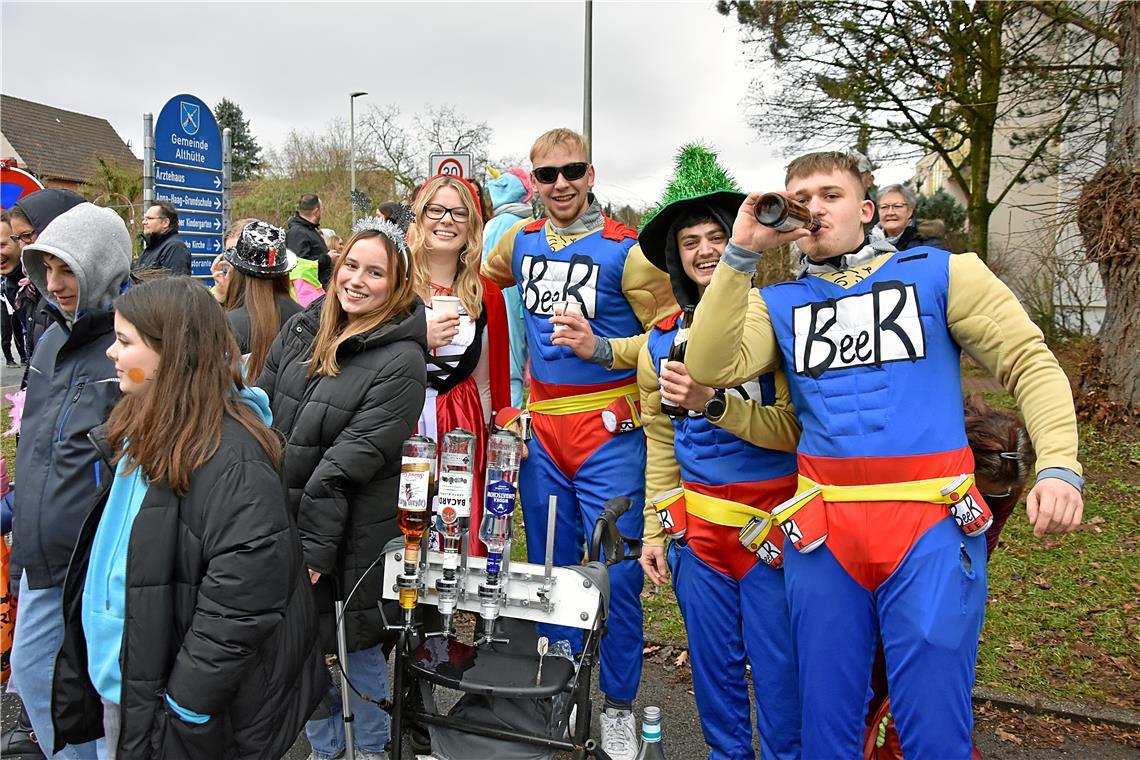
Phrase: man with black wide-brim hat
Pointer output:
(723, 458)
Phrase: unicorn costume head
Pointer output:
(510, 191)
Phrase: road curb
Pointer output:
(1079, 711)
(1115, 716)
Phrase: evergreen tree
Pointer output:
(245, 151)
(941, 205)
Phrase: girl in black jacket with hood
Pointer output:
(190, 627)
(346, 378)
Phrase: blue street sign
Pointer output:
(200, 266)
(187, 179)
(205, 245)
(189, 200)
(189, 221)
(186, 134)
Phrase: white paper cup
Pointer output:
(448, 305)
(562, 308)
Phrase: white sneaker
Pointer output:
(619, 734)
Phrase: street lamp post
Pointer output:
(588, 84)
(352, 96)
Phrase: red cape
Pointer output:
(499, 345)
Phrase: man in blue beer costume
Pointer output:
(730, 453)
(886, 535)
(577, 259)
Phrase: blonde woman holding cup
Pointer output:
(468, 360)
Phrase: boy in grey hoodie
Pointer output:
(80, 262)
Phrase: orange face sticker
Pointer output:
(136, 375)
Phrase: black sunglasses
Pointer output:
(548, 175)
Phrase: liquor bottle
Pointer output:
(453, 514)
(651, 747)
(784, 214)
(417, 488)
(677, 354)
(456, 478)
(504, 454)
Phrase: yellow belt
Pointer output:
(948, 490)
(730, 514)
(585, 402)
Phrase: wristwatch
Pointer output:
(715, 407)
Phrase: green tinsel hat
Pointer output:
(699, 184)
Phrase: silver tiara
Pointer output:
(395, 229)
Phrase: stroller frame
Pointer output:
(577, 596)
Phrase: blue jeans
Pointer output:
(372, 727)
(39, 634)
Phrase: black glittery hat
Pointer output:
(260, 251)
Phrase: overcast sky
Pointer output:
(665, 73)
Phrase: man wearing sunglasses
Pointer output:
(578, 260)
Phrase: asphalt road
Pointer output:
(667, 687)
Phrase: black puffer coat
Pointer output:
(342, 452)
(219, 614)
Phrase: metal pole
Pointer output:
(345, 695)
(587, 88)
(148, 161)
(352, 153)
(227, 177)
(352, 96)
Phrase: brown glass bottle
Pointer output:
(677, 354)
(784, 214)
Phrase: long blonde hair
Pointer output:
(335, 328)
(467, 286)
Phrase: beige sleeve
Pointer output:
(661, 469)
(731, 339)
(990, 324)
(647, 289)
(627, 350)
(497, 267)
(771, 427)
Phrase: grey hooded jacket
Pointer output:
(71, 388)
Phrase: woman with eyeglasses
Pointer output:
(896, 219)
(468, 360)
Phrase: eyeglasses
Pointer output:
(893, 207)
(548, 175)
(435, 211)
(23, 237)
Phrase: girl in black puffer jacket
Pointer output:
(190, 627)
(346, 379)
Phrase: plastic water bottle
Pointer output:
(651, 747)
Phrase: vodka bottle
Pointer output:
(504, 454)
